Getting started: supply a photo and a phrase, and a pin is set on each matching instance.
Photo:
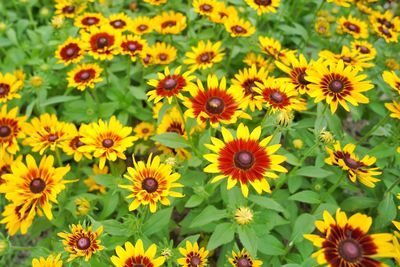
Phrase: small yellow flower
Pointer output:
(284, 118)
(36, 81)
(243, 215)
(57, 22)
(326, 137)
(82, 206)
(297, 143)
(50, 261)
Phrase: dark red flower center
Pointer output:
(142, 27)
(168, 23)
(244, 160)
(150, 184)
(248, 86)
(352, 27)
(132, 47)
(83, 243)
(5, 131)
(206, 57)
(163, 56)
(346, 59)
(277, 97)
(301, 78)
(68, 9)
(350, 250)
(243, 262)
(138, 265)
(351, 163)
(70, 51)
(206, 7)
(385, 31)
(37, 185)
(385, 22)
(169, 84)
(4, 89)
(145, 130)
(176, 127)
(263, 2)
(77, 142)
(101, 42)
(336, 86)
(118, 23)
(363, 49)
(90, 21)
(215, 105)
(84, 75)
(107, 143)
(238, 29)
(52, 138)
(195, 261)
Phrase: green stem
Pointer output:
(18, 248)
(392, 186)
(58, 156)
(264, 119)
(106, 71)
(129, 71)
(335, 185)
(380, 123)
(30, 16)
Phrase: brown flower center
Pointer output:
(364, 50)
(37, 185)
(238, 29)
(385, 31)
(68, 9)
(336, 86)
(4, 89)
(352, 27)
(83, 243)
(206, 7)
(142, 27)
(90, 21)
(52, 138)
(169, 84)
(262, 2)
(132, 47)
(350, 250)
(5, 131)
(301, 78)
(168, 23)
(206, 57)
(107, 143)
(118, 23)
(150, 184)
(70, 52)
(195, 261)
(145, 130)
(243, 160)
(243, 262)
(102, 42)
(346, 59)
(277, 97)
(215, 105)
(248, 86)
(84, 75)
(351, 163)
(163, 56)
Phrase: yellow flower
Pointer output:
(258, 60)
(50, 261)
(82, 206)
(57, 22)
(243, 215)
(133, 45)
(71, 51)
(18, 217)
(344, 3)
(71, 147)
(326, 137)
(81, 242)
(35, 186)
(298, 143)
(107, 140)
(87, 20)
(6, 161)
(47, 132)
(169, 22)
(36, 81)
(68, 9)
(9, 87)
(141, 25)
(91, 183)
(144, 130)
(238, 27)
(349, 57)
(206, 7)
(346, 242)
(151, 183)
(135, 255)
(356, 27)
(119, 22)
(205, 55)
(266, 6)
(243, 259)
(222, 12)
(193, 256)
(273, 48)
(394, 107)
(156, 2)
(246, 159)
(363, 48)
(322, 26)
(391, 78)
(10, 129)
(392, 64)
(85, 75)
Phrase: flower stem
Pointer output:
(380, 123)
(58, 156)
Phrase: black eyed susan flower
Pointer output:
(37, 186)
(358, 169)
(9, 87)
(147, 57)
(169, 84)
(84, 75)
(363, 48)
(322, 27)
(119, 22)
(151, 183)
(156, 2)
(216, 104)
(296, 69)
(246, 80)
(135, 255)
(349, 58)
(264, 6)
(356, 27)
(193, 256)
(204, 56)
(102, 42)
(50, 261)
(244, 159)
(71, 51)
(141, 25)
(82, 206)
(163, 53)
(91, 183)
(258, 60)
(132, 45)
(273, 48)
(169, 22)
(87, 20)
(345, 242)
(222, 13)
(337, 84)
(71, 147)
(68, 9)
(279, 95)
(46, 132)
(394, 107)
(386, 25)
(343, 3)
(18, 217)
(238, 27)
(10, 129)
(391, 78)
(243, 259)
(144, 130)
(81, 242)
(396, 241)
(206, 7)
(6, 161)
(106, 140)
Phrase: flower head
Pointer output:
(243, 215)
(193, 256)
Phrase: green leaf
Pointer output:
(59, 99)
(358, 203)
(247, 235)
(194, 201)
(312, 171)
(267, 203)
(172, 140)
(209, 214)
(386, 212)
(270, 245)
(106, 180)
(110, 203)
(222, 234)
(304, 224)
(157, 221)
(306, 196)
